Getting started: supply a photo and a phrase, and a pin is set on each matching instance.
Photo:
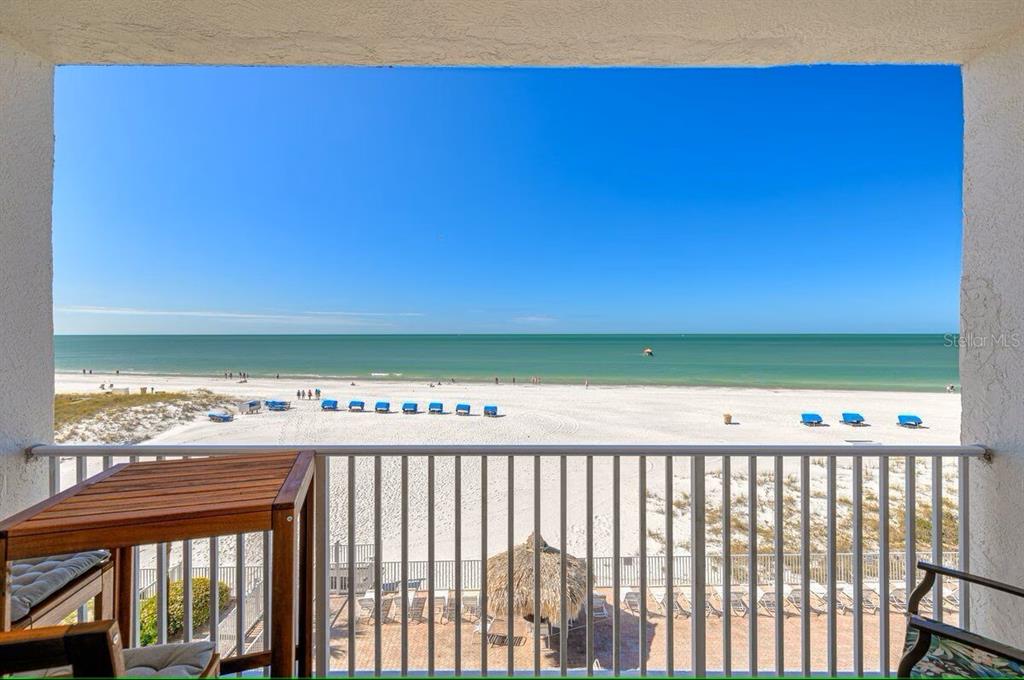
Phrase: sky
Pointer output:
(478, 200)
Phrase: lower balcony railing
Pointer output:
(404, 534)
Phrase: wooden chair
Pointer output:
(44, 591)
(94, 650)
(937, 649)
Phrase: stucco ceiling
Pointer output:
(495, 32)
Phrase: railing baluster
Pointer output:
(832, 636)
(267, 592)
(134, 634)
(670, 598)
(214, 591)
(351, 578)
(54, 465)
(431, 566)
(458, 566)
(80, 474)
(752, 566)
(697, 567)
(805, 566)
(858, 567)
(322, 589)
(240, 594)
(161, 593)
(536, 566)
(780, 574)
(964, 537)
(727, 566)
(937, 534)
(590, 566)
(378, 573)
(510, 659)
(404, 590)
(484, 624)
(563, 613)
(186, 590)
(910, 523)
(883, 565)
(616, 567)
(642, 486)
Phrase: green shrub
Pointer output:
(176, 608)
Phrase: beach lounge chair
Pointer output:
(435, 407)
(471, 606)
(410, 407)
(491, 411)
(382, 407)
(852, 419)
(462, 409)
(94, 649)
(908, 421)
(278, 405)
(356, 405)
(660, 597)
(329, 405)
(416, 608)
(631, 599)
(220, 416)
(736, 603)
(810, 419)
(599, 605)
(814, 604)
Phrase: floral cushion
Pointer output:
(951, 659)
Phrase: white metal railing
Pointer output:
(851, 574)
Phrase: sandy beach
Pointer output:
(546, 414)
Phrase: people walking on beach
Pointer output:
(298, 394)
(318, 393)
(277, 375)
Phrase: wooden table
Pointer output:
(157, 502)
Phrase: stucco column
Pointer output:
(992, 326)
(26, 273)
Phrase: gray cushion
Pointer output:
(173, 660)
(34, 580)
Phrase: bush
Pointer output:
(176, 608)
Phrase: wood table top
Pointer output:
(139, 503)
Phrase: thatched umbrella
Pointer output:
(522, 582)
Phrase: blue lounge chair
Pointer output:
(356, 405)
(435, 407)
(220, 416)
(810, 419)
(276, 405)
(462, 409)
(382, 407)
(491, 411)
(908, 421)
(410, 407)
(329, 405)
(852, 419)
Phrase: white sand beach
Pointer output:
(545, 414)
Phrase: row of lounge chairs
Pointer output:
(857, 420)
(409, 407)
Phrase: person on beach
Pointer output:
(318, 393)
(298, 394)
(277, 375)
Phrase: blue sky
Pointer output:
(338, 200)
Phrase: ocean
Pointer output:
(868, 362)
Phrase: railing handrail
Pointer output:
(682, 450)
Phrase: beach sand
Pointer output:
(547, 414)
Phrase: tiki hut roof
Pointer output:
(522, 582)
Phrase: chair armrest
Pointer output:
(92, 649)
(928, 567)
(927, 628)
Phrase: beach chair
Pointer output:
(220, 416)
(631, 599)
(367, 609)
(814, 605)
(908, 421)
(462, 409)
(709, 607)
(329, 405)
(661, 603)
(491, 411)
(810, 419)
(736, 603)
(410, 407)
(471, 606)
(435, 407)
(356, 405)
(278, 405)
(449, 612)
(382, 407)
(94, 650)
(416, 608)
(599, 605)
(853, 419)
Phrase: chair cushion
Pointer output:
(947, 658)
(171, 660)
(34, 580)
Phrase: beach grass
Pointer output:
(72, 408)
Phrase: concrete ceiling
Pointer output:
(506, 32)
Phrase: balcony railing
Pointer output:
(851, 553)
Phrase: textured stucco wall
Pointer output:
(494, 32)
(992, 325)
(26, 273)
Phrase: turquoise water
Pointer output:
(886, 362)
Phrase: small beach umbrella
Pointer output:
(522, 582)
